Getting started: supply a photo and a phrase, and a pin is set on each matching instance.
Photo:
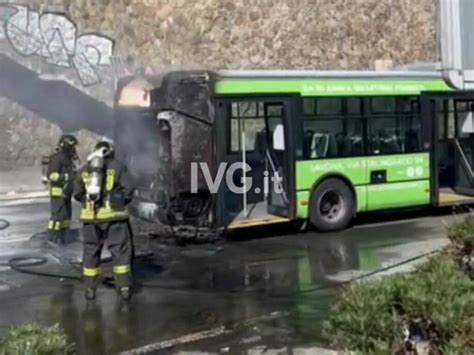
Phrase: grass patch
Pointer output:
(435, 302)
(32, 339)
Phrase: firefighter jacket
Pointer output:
(115, 182)
(60, 174)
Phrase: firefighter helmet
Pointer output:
(107, 147)
(67, 144)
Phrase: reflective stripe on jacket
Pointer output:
(55, 191)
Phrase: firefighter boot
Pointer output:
(90, 294)
(125, 293)
(62, 237)
(53, 236)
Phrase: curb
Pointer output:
(23, 195)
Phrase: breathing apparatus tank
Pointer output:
(96, 175)
(44, 169)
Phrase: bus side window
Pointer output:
(412, 141)
(333, 127)
(394, 135)
(307, 140)
(333, 138)
(246, 122)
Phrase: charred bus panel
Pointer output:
(185, 100)
(163, 126)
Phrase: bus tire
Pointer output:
(331, 206)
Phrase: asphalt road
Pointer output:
(270, 287)
(26, 217)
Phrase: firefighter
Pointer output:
(103, 187)
(60, 174)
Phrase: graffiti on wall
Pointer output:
(55, 38)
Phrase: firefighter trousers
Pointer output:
(60, 219)
(118, 237)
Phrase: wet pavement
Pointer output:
(240, 296)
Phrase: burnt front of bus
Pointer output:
(161, 142)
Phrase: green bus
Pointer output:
(339, 143)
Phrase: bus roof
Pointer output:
(156, 79)
(327, 74)
(307, 82)
(329, 83)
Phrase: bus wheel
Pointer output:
(332, 206)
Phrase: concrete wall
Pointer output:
(87, 44)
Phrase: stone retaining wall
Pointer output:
(107, 39)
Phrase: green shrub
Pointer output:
(366, 319)
(33, 340)
(462, 230)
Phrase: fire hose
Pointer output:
(4, 224)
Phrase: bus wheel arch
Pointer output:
(195, 205)
(343, 178)
(332, 204)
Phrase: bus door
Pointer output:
(451, 116)
(254, 142)
(276, 161)
(464, 146)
